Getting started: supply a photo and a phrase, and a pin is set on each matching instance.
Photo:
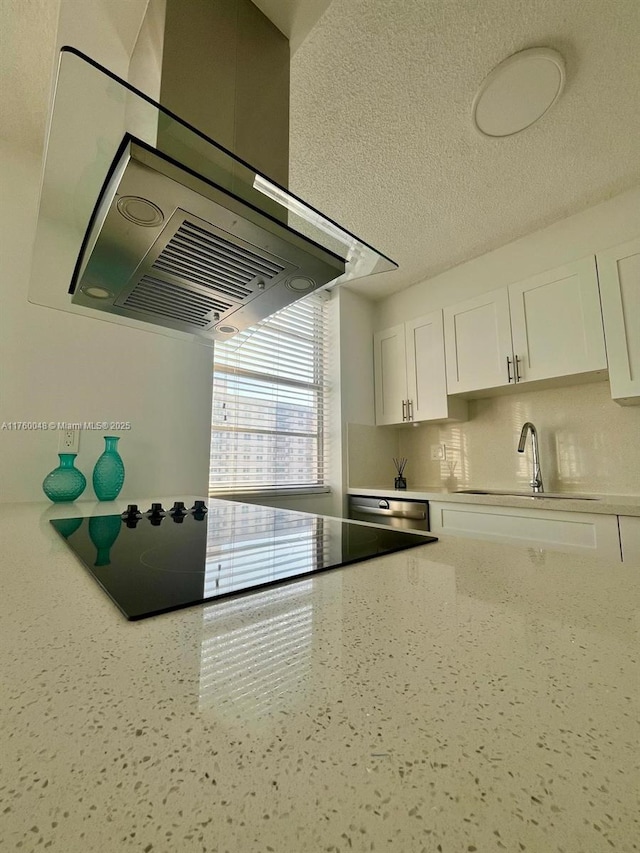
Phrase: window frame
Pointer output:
(319, 387)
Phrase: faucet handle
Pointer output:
(536, 484)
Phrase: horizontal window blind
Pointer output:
(269, 403)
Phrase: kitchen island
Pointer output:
(460, 696)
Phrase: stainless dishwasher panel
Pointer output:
(407, 515)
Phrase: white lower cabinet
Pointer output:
(630, 539)
(587, 533)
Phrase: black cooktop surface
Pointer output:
(153, 563)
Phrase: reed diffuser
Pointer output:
(400, 481)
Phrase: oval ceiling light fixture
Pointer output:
(518, 92)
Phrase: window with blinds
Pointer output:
(269, 403)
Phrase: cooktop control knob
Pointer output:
(178, 512)
(155, 514)
(131, 516)
(198, 510)
(131, 511)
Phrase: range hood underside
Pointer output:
(170, 248)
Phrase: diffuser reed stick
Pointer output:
(400, 464)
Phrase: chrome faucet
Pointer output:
(536, 480)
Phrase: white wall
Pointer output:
(355, 380)
(56, 366)
(356, 343)
(585, 233)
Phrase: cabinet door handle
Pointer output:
(410, 408)
(518, 376)
(404, 410)
(509, 376)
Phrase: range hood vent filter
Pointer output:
(204, 258)
(152, 296)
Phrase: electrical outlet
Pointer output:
(69, 441)
(438, 452)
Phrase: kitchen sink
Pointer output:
(551, 495)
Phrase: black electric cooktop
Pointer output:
(156, 561)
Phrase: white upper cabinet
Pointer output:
(478, 342)
(390, 373)
(410, 380)
(619, 274)
(426, 374)
(543, 327)
(556, 322)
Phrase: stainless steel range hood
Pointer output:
(146, 221)
(165, 246)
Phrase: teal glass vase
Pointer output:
(103, 532)
(64, 483)
(68, 526)
(108, 473)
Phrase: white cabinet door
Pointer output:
(556, 323)
(410, 379)
(630, 539)
(619, 274)
(478, 343)
(390, 374)
(587, 533)
(426, 378)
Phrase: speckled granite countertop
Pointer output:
(464, 696)
(605, 504)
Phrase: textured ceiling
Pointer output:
(381, 132)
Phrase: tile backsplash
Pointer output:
(588, 443)
(370, 452)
